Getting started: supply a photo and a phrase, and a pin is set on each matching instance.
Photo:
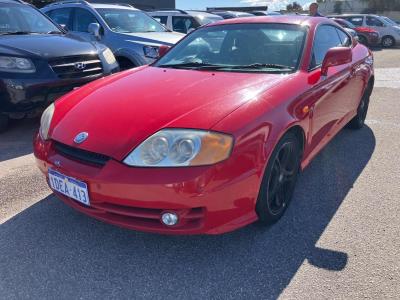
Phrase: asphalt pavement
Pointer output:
(340, 238)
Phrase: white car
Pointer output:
(388, 29)
(184, 21)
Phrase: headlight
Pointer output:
(16, 65)
(180, 148)
(109, 56)
(45, 122)
(150, 51)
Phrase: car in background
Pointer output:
(231, 14)
(265, 13)
(39, 62)
(131, 34)
(389, 32)
(205, 141)
(183, 21)
(366, 36)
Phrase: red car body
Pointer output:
(122, 110)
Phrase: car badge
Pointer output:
(80, 66)
(81, 137)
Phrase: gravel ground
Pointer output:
(340, 238)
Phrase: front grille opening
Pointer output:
(67, 67)
(80, 155)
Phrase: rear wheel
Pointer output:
(359, 120)
(279, 180)
(4, 120)
(388, 41)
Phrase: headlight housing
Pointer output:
(16, 65)
(45, 122)
(151, 51)
(109, 56)
(181, 148)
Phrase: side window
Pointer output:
(82, 19)
(61, 16)
(161, 19)
(344, 38)
(357, 21)
(183, 24)
(325, 38)
(372, 21)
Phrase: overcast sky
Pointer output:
(202, 4)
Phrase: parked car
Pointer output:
(265, 13)
(184, 21)
(390, 33)
(366, 36)
(131, 34)
(231, 14)
(40, 62)
(216, 139)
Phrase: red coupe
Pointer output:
(212, 136)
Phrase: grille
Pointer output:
(81, 155)
(75, 67)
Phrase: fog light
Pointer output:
(169, 219)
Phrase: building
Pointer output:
(344, 6)
(236, 8)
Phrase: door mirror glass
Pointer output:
(94, 28)
(335, 57)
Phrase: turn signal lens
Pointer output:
(181, 148)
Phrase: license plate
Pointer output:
(69, 187)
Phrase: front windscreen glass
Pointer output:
(23, 19)
(240, 47)
(129, 21)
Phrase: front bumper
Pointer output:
(29, 96)
(208, 200)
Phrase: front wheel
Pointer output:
(279, 180)
(388, 41)
(4, 120)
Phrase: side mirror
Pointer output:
(64, 27)
(335, 57)
(162, 50)
(94, 28)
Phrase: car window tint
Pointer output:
(161, 19)
(357, 21)
(82, 20)
(183, 24)
(344, 38)
(325, 38)
(372, 21)
(61, 16)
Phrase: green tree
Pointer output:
(381, 5)
(337, 8)
(294, 7)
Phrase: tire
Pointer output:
(358, 121)
(279, 180)
(388, 41)
(363, 40)
(4, 120)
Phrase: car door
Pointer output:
(80, 23)
(330, 94)
(376, 24)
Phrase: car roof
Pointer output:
(284, 19)
(84, 3)
(104, 5)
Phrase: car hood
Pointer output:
(44, 45)
(121, 111)
(154, 38)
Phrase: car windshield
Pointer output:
(239, 47)
(205, 19)
(390, 21)
(23, 19)
(129, 21)
(346, 24)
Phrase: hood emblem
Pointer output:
(81, 137)
(80, 66)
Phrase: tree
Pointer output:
(337, 8)
(382, 5)
(294, 7)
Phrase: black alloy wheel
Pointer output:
(279, 180)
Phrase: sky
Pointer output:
(202, 4)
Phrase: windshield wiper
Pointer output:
(54, 32)
(259, 66)
(193, 65)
